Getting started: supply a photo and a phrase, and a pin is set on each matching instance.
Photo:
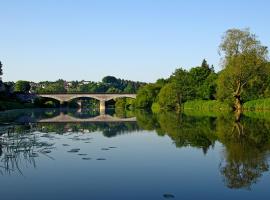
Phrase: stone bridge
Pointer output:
(101, 97)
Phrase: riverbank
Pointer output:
(211, 106)
(257, 105)
(207, 105)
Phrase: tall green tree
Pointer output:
(169, 97)
(184, 85)
(22, 86)
(244, 58)
(110, 80)
(204, 64)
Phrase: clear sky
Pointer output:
(138, 40)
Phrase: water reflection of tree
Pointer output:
(183, 130)
(247, 146)
(246, 142)
(18, 148)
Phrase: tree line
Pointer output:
(109, 84)
(245, 76)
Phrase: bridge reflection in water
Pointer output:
(100, 118)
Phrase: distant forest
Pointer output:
(109, 84)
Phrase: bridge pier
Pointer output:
(62, 104)
(79, 102)
(102, 107)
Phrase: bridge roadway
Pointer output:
(101, 118)
(99, 96)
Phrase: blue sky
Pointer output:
(138, 40)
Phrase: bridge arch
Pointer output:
(101, 97)
(82, 96)
(51, 97)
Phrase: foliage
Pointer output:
(183, 85)
(22, 86)
(245, 60)
(124, 103)
(147, 95)
(110, 80)
(207, 90)
(169, 98)
(155, 108)
(109, 84)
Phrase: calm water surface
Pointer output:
(53, 154)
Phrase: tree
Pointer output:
(110, 80)
(129, 88)
(147, 95)
(169, 98)
(243, 59)
(204, 64)
(161, 82)
(184, 85)
(22, 86)
(207, 90)
(198, 76)
(1, 70)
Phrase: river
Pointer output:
(68, 154)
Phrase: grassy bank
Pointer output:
(206, 105)
(257, 105)
(257, 114)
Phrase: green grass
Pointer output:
(257, 105)
(257, 114)
(206, 105)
